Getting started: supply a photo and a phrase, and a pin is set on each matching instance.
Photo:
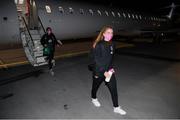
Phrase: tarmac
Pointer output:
(148, 88)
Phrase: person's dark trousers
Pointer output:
(112, 86)
(50, 58)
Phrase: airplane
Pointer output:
(23, 22)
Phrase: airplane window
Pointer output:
(124, 15)
(151, 18)
(61, 10)
(99, 12)
(15, 1)
(119, 14)
(21, 1)
(71, 10)
(81, 11)
(140, 16)
(113, 14)
(106, 13)
(129, 15)
(48, 9)
(90, 11)
(133, 16)
(136, 16)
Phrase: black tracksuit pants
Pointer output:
(50, 57)
(111, 86)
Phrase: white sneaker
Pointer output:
(96, 102)
(119, 110)
(53, 62)
(51, 72)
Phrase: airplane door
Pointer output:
(33, 16)
(27, 9)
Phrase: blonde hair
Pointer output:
(100, 35)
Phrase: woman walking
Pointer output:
(103, 51)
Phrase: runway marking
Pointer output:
(56, 57)
(1, 62)
(4, 66)
(13, 64)
(26, 62)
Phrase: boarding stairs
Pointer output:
(32, 46)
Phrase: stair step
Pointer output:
(40, 64)
(37, 41)
(37, 44)
(44, 63)
(40, 59)
(38, 37)
(34, 52)
(38, 54)
(34, 32)
(38, 48)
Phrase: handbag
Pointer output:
(46, 51)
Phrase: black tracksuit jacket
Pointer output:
(103, 57)
(49, 40)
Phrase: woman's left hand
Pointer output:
(106, 74)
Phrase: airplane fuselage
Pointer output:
(72, 20)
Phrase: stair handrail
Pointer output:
(28, 30)
(41, 24)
